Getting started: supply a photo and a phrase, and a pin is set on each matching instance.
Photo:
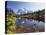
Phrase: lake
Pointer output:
(29, 23)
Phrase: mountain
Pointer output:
(23, 11)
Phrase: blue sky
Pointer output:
(15, 5)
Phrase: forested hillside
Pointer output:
(39, 15)
(10, 25)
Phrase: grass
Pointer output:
(11, 24)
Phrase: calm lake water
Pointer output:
(30, 22)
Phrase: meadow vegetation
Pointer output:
(10, 21)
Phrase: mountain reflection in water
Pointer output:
(29, 25)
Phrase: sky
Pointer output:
(33, 6)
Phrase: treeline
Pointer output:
(39, 15)
(9, 11)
